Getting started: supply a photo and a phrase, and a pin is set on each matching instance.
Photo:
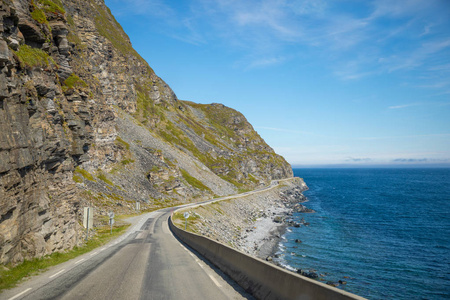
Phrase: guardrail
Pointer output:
(259, 278)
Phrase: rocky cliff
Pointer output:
(84, 120)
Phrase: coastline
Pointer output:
(254, 224)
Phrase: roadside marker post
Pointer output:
(138, 206)
(111, 219)
(186, 216)
(88, 219)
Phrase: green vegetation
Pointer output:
(127, 161)
(203, 131)
(154, 169)
(219, 117)
(33, 57)
(73, 81)
(253, 179)
(102, 177)
(39, 15)
(146, 109)
(86, 175)
(72, 36)
(77, 179)
(43, 7)
(108, 27)
(194, 181)
(122, 143)
(179, 220)
(9, 277)
(50, 6)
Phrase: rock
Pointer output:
(31, 32)
(13, 43)
(269, 258)
(4, 52)
(334, 284)
(4, 92)
(342, 282)
(298, 241)
(278, 219)
(311, 274)
(83, 127)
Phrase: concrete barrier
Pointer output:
(259, 278)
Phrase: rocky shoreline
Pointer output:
(256, 223)
(270, 228)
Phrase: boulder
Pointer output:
(334, 284)
(4, 52)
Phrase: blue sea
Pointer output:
(385, 232)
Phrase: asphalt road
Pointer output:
(148, 262)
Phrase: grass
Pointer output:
(33, 57)
(194, 181)
(155, 169)
(127, 161)
(77, 179)
(39, 15)
(179, 220)
(102, 177)
(9, 277)
(108, 27)
(50, 6)
(73, 81)
(84, 173)
(121, 142)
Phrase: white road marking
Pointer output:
(92, 254)
(19, 294)
(56, 274)
(210, 275)
(200, 263)
(78, 261)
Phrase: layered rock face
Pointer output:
(85, 121)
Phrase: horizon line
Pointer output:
(380, 166)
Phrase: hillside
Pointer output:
(84, 120)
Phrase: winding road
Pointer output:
(147, 262)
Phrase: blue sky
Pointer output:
(323, 82)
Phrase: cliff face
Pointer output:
(85, 121)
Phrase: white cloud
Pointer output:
(428, 104)
(404, 105)
(354, 44)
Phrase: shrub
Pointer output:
(39, 15)
(73, 81)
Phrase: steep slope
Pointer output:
(85, 121)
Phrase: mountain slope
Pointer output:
(84, 121)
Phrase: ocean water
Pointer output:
(386, 232)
